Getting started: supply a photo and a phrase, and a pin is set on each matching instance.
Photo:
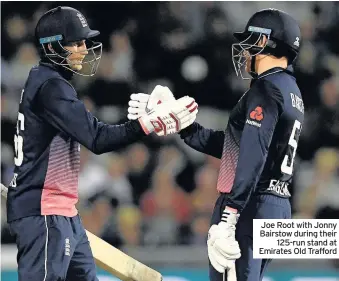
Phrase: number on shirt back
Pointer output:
(19, 141)
(287, 164)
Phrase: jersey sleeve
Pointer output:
(264, 105)
(62, 109)
(204, 140)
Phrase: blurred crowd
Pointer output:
(159, 191)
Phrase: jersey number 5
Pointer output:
(19, 141)
(293, 142)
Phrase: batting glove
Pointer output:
(140, 104)
(222, 247)
(170, 117)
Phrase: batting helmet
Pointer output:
(63, 26)
(283, 38)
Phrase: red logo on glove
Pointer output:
(157, 126)
(257, 114)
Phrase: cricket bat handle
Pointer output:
(230, 273)
(4, 191)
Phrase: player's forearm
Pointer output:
(98, 137)
(114, 137)
(204, 140)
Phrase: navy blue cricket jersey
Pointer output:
(258, 147)
(52, 123)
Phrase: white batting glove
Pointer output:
(137, 105)
(170, 117)
(222, 247)
(140, 104)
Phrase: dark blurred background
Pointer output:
(159, 192)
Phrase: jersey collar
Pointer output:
(273, 70)
(289, 70)
(65, 73)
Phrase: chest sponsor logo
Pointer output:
(256, 116)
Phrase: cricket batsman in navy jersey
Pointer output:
(258, 147)
(52, 123)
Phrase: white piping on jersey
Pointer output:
(269, 74)
(259, 78)
(243, 95)
(46, 244)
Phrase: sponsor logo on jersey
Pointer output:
(280, 187)
(253, 123)
(256, 116)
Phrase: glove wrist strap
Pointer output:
(230, 215)
(146, 125)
